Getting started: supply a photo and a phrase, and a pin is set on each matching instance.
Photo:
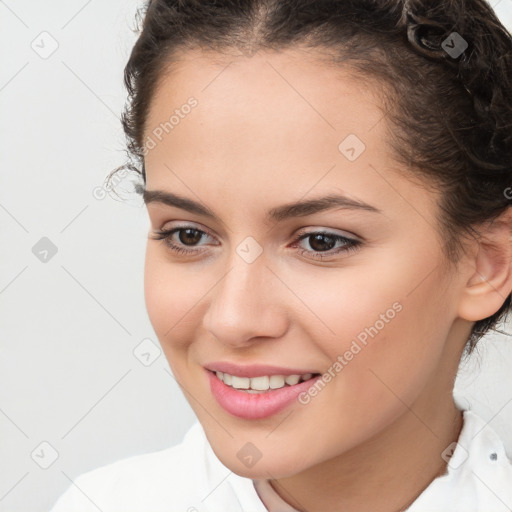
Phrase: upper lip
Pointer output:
(253, 370)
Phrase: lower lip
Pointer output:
(254, 406)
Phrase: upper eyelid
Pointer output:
(328, 231)
(188, 225)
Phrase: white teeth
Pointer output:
(263, 383)
(291, 380)
(240, 382)
(260, 383)
(276, 381)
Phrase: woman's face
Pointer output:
(378, 314)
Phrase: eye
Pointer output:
(187, 235)
(323, 242)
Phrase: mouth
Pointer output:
(258, 396)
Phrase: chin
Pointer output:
(267, 467)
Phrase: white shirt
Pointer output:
(189, 477)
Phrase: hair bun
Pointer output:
(428, 36)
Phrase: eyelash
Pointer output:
(351, 245)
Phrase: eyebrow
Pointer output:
(278, 214)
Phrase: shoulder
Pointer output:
(148, 481)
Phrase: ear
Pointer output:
(489, 270)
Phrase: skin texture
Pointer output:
(266, 132)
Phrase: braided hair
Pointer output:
(443, 69)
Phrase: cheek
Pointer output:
(388, 341)
(171, 293)
(378, 320)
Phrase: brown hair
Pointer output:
(446, 67)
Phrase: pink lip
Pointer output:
(254, 370)
(252, 406)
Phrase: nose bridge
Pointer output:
(243, 304)
(243, 282)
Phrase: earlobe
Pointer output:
(490, 271)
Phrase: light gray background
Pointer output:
(69, 326)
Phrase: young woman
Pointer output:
(328, 184)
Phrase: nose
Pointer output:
(247, 304)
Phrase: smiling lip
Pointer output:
(254, 370)
(254, 406)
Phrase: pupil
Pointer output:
(189, 239)
(321, 246)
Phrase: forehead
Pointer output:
(286, 102)
(276, 89)
(287, 119)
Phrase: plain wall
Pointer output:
(69, 325)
